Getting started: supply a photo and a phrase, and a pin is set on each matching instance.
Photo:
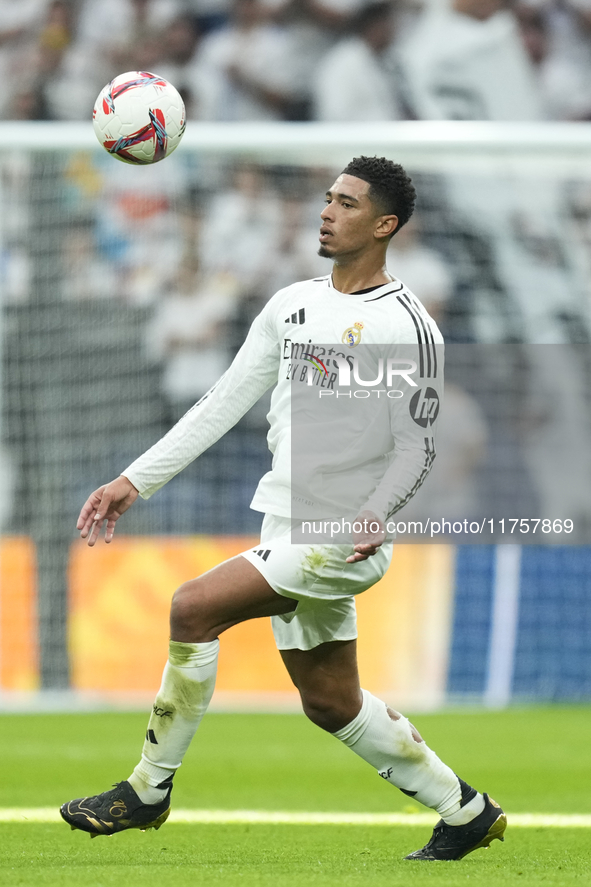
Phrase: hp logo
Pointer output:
(424, 406)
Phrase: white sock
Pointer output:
(389, 746)
(466, 813)
(187, 686)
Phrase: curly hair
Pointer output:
(389, 186)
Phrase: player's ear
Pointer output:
(386, 226)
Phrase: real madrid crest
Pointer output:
(352, 335)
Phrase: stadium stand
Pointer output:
(97, 264)
(96, 270)
(55, 56)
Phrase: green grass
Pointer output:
(280, 856)
(531, 760)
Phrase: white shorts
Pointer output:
(319, 578)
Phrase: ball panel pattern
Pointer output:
(139, 117)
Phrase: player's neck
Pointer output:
(350, 278)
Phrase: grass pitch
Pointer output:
(281, 856)
(534, 760)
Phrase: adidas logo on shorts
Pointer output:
(264, 553)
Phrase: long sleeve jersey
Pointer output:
(307, 334)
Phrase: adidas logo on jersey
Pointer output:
(297, 317)
(264, 553)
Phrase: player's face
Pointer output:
(349, 220)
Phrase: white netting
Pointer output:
(127, 290)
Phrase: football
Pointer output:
(139, 117)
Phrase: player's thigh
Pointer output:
(232, 592)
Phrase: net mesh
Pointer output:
(127, 291)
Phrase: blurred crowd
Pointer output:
(328, 60)
(189, 252)
(153, 280)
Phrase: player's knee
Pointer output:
(188, 612)
(327, 712)
(182, 606)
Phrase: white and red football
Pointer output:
(139, 117)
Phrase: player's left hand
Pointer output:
(372, 535)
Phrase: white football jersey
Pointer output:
(311, 319)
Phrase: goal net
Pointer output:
(127, 291)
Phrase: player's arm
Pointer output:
(252, 372)
(413, 422)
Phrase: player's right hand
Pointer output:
(107, 503)
(369, 539)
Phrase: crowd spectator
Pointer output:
(114, 27)
(354, 80)
(295, 249)
(314, 26)
(114, 36)
(304, 59)
(468, 62)
(20, 23)
(241, 226)
(422, 269)
(243, 70)
(187, 333)
(46, 95)
(208, 14)
(565, 67)
(87, 274)
(178, 52)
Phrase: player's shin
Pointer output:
(389, 743)
(187, 686)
